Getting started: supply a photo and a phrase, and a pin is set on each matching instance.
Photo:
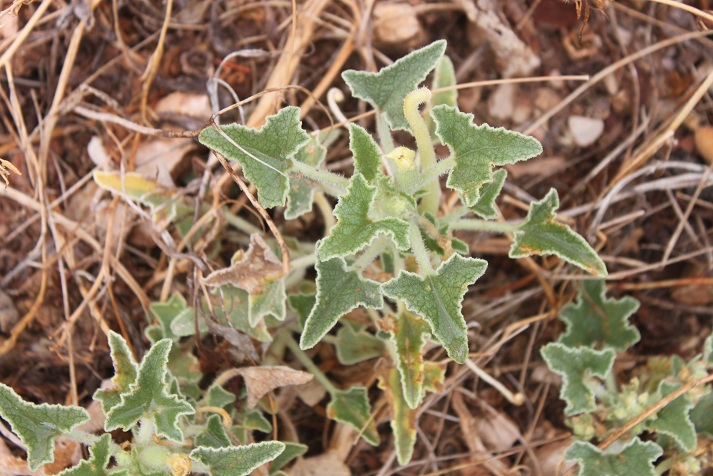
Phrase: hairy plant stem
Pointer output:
(309, 365)
(333, 184)
(420, 251)
(432, 198)
(484, 225)
(374, 249)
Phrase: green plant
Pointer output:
(598, 406)
(170, 430)
(391, 252)
(388, 224)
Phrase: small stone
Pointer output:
(585, 130)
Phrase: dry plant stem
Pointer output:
(683, 221)
(263, 213)
(132, 126)
(516, 399)
(647, 413)
(22, 36)
(686, 8)
(607, 71)
(495, 82)
(334, 69)
(647, 150)
(154, 62)
(289, 60)
(75, 227)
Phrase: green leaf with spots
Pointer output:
(338, 291)
(575, 365)
(437, 298)
(301, 193)
(214, 435)
(292, 451)
(485, 206)
(367, 156)
(387, 89)
(674, 420)
(98, 460)
(596, 321)
(476, 149)
(125, 372)
(355, 228)
(403, 418)
(635, 457)
(149, 397)
(352, 407)
(38, 426)
(540, 234)
(237, 460)
(357, 346)
(409, 335)
(265, 154)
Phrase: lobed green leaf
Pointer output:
(357, 346)
(387, 89)
(355, 229)
(596, 321)
(149, 397)
(214, 435)
(125, 372)
(264, 154)
(301, 193)
(540, 234)
(674, 420)
(485, 206)
(575, 365)
(38, 426)
(338, 292)
(352, 407)
(476, 149)
(237, 460)
(437, 298)
(98, 460)
(635, 457)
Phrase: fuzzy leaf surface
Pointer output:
(437, 298)
(701, 415)
(214, 435)
(301, 193)
(476, 149)
(635, 457)
(355, 229)
(540, 234)
(352, 407)
(409, 335)
(265, 154)
(357, 346)
(485, 206)
(367, 156)
(292, 451)
(387, 89)
(403, 421)
(237, 460)
(338, 291)
(270, 302)
(575, 365)
(674, 420)
(596, 321)
(125, 372)
(38, 426)
(149, 397)
(97, 462)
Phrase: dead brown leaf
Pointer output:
(327, 464)
(258, 265)
(261, 380)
